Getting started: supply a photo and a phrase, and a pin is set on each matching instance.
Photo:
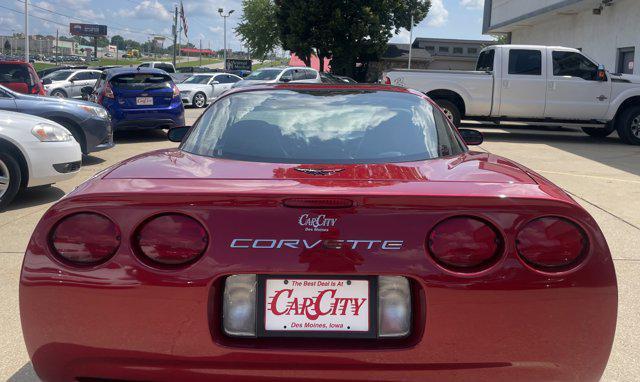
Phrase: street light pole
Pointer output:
(26, 31)
(221, 12)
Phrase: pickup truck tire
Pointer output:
(602, 132)
(628, 125)
(450, 110)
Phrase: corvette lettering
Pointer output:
(386, 245)
(311, 307)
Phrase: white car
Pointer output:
(291, 74)
(68, 83)
(34, 152)
(166, 66)
(199, 89)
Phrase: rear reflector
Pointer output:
(85, 238)
(394, 306)
(464, 243)
(551, 243)
(318, 203)
(171, 239)
(239, 306)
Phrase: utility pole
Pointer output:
(26, 31)
(410, 41)
(57, 45)
(221, 12)
(175, 34)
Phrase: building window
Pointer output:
(472, 50)
(443, 49)
(457, 50)
(525, 62)
(430, 48)
(626, 60)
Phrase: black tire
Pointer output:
(199, 100)
(600, 132)
(628, 125)
(10, 179)
(450, 109)
(59, 93)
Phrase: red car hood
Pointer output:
(176, 164)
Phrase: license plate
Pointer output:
(144, 101)
(298, 306)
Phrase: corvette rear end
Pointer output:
(181, 266)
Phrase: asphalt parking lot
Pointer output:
(604, 176)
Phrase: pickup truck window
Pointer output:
(574, 64)
(525, 62)
(485, 61)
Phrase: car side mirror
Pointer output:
(602, 73)
(471, 137)
(177, 134)
(215, 82)
(285, 80)
(47, 81)
(86, 91)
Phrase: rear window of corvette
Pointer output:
(322, 126)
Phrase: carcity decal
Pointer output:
(318, 223)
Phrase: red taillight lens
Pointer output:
(464, 243)
(172, 239)
(551, 243)
(387, 81)
(85, 238)
(108, 92)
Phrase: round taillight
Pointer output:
(172, 239)
(551, 243)
(464, 243)
(85, 238)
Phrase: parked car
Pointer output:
(294, 219)
(89, 123)
(34, 152)
(139, 98)
(68, 83)
(199, 89)
(280, 75)
(535, 84)
(166, 66)
(20, 77)
(44, 72)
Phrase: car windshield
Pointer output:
(141, 81)
(59, 75)
(264, 74)
(197, 80)
(323, 126)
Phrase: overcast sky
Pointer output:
(138, 19)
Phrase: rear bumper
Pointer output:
(149, 118)
(125, 320)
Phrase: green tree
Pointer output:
(118, 41)
(349, 32)
(257, 28)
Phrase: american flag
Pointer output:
(183, 18)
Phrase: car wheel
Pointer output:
(59, 94)
(600, 132)
(199, 100)
(10, 178)
(450, 110)
(628, 125)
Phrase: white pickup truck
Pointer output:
(534, 84)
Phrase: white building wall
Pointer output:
(503, 10)
(599, 36)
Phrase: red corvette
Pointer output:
(310, 232)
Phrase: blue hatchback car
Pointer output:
(139, 98)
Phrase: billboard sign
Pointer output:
(234, 64)
(92, 30)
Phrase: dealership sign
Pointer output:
(234, 64)
(93, 30)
